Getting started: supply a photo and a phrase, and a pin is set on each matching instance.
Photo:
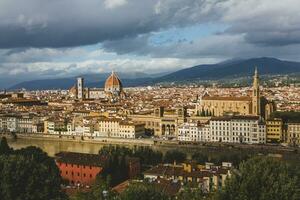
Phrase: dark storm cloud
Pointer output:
(254, 28)
(66, 23)
(274, 38)
(134, 45)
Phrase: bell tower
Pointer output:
(255, 94)
(80, 88)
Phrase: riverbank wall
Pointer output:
(172, 144)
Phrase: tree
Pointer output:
(117, 168)
(24, 178)
(34, 153)
(28, 174)
(147, 155)
(202, 112)
(142, 191)
(191, 193)
(200, 158)
(209, 113)
(206, 112)
(100, 191)
(174, 156)
(263, 178)
(4, 148)
(287, 116)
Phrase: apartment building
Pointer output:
(121, 128)
(274, 130)
(16, 123)
(25, 124)
(293, 134)
(131, 129)
(94, 126)
(193, 132)
(55, 126)
(232, 129)
(237, 129)
(248, 129)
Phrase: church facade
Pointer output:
(255, 104)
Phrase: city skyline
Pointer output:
(149, 99)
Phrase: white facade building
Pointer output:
(238, 129)
(16, 123)
(231, 129)
(293, 134)
(192, 132)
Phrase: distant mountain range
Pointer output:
(227, 69)
(91, 80)
(233, 69)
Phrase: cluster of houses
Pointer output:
(81, 170)
(228, 129)
(94, 126)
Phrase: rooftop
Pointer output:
(81, 159)
(220, 98)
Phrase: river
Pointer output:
(54, 146)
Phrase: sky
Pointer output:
(42, 39)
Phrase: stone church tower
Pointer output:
(256, 94)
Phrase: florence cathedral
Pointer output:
(113, 89)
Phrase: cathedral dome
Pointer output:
(113, 83)
(73, 91)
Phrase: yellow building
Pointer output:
(54, 125)
(293, 134)
(120, 128)
(274, 130)
(131, 130)
(245, 105)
